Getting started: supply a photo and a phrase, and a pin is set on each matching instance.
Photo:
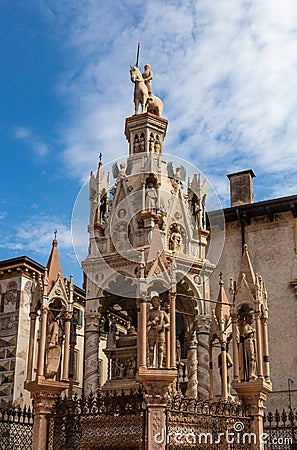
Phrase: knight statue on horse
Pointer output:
(143, 91)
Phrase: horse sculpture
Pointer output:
(149, 103)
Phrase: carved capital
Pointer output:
(92, 321)
(191, 339)
(202, 324)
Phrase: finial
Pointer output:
(221, 278)
(245, 248)
(137, 57)
(55, 234)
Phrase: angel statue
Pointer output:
(119, 173)
(178, 176)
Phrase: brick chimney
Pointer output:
(241, 187)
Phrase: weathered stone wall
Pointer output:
(272, 249)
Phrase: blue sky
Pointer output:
(226, 72)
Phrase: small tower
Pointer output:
(52, 301)
(250, 342)
(221, 331)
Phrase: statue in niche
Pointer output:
(103, 207)
(157, 145)
(151, 197)
(141, 143)
(249, 345)
(229, 365)
(53, 349)
(136, 144)
(151, 142)
(111, 336)
(147, 78)
(158, 321)
(175, 239)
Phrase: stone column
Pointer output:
(202, 329)
(210, 373)
(66, 346)
(143, 195)
(259, 343)
(266, 371)
(44, 393)
(167, 345)
(141, 334)
(192, 364)
(42, 342)
(156, 427)
(92, 320)
(33, 316)
(235, 347)
(254, 394)
(224, 372)
(172, 331)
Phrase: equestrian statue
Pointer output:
(143, 91)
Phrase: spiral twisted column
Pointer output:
(192, 364)
(202, 330)
(92, 320)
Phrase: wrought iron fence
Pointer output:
(281, 430)
(16, 428)
(100, 421)
(193, 423)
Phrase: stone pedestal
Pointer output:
(254, 394)
(44, 393)
(145, 133)
(156, 427)
(157, 383)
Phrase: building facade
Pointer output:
(18, 277)
(269, 228)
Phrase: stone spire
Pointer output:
(246, 271)
(53, 265)
(222, 310)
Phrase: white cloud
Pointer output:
(225, 70)
(33, 238)
(32, 140)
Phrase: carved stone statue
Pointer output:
(249, 344)
(111, 336)
(151, 197)
(143, 92)
(158, 321)
(53, 349)
(148, 76)
(119, 173)
(229, 365)
(175, 240)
